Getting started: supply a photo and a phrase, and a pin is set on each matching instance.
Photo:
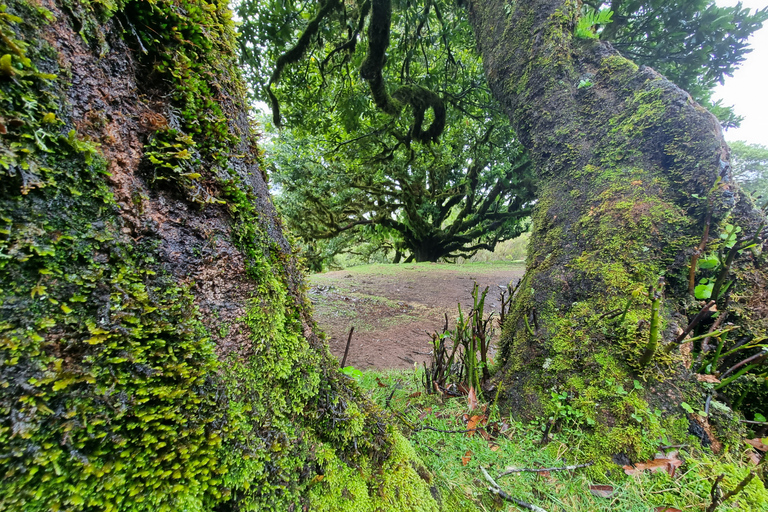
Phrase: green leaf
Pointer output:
(703, 291)
(687, 407)
(710, 261)
(352, 372)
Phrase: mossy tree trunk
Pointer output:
(626, 164)
(156, 348)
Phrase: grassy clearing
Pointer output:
(455, 458)
(379, 269)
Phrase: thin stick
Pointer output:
(425, 427)
(754, 422)
(511, 470)
(742, 363)
(346, 350)
(716, 500)
(494, 488)
(698, 318)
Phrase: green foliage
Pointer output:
(465, 361)
(346, 172)
(696, 44)
(749, 165)
(585, 27)
(457, 457)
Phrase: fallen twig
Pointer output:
(705, 311)
(717, 500)
(426, 427)
(494, 488)
(754, 422)
(346, 350)
(511, 470)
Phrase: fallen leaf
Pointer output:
(415, 395)
(666, 509)
(601, 491)
(754, 458)
(381, 384)
(658, 464)
(494, 447)
(544, 475)
(425, 413)
(472, 399)
(473, 422)
(466, 458)
(758, 444)
(707, 378)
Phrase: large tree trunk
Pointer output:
(620, 155)
(156, 349)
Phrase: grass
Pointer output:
(463, 487)
(378, 269)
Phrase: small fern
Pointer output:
(584, 27)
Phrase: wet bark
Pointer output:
(156, 348)
(621, 155)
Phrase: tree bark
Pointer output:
(156, 348)
(620, 155)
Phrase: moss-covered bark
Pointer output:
(156, 348)
(623, 158)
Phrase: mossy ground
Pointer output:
(463, 487)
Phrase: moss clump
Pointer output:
(107, 371)
(113, 396)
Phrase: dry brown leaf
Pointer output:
(381, 384)
(707, 378)
(466, 458)
(754, 458)
(661, 464)
(425, 413)
(494, 447)
(472, 424)
(415, 395)
(472, 399)
(758, 444)
(666, 509)
(601, 491)
(686, 350)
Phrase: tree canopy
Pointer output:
(750, 168)
(388, 118)
(696, 44)
(432, 166)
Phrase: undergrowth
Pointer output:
(455, 459)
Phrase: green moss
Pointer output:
(113, 397)
(108, 375)
(348, 488)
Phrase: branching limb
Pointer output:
(510, 470)
(495, 489)
(297, 52)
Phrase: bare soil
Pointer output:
(394, 308)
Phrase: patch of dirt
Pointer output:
(394, 308)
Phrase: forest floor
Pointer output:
(395, 308)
